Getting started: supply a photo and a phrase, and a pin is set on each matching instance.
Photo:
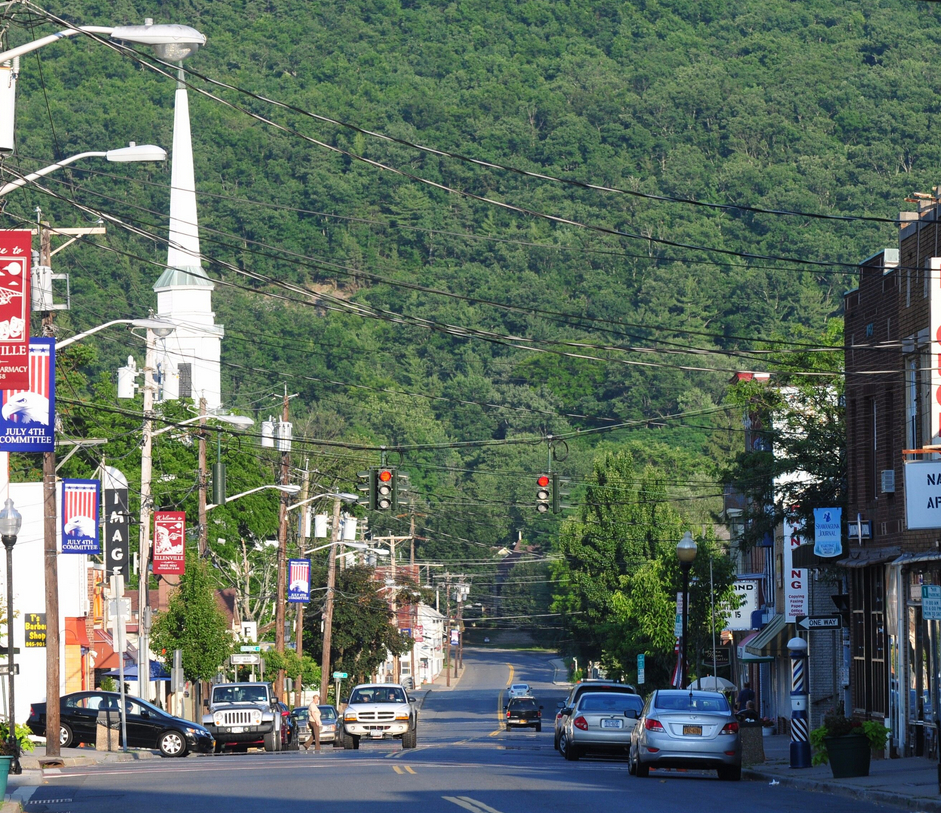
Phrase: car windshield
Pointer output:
(692, 701)
(520, 705)
(380, 694)
(240, 694)
(613, 703)
(519, 687)
(328, 713)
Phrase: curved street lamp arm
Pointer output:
(46, 170)
(13, 53)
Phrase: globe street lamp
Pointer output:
(10, 521)
(685, 552)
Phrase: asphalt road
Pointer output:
(464, 761)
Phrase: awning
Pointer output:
(917, 558)
(865, 557)
(75, 633)
(772, 640)
(744, 656)
(157, 672)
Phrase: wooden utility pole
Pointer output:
(203, 478)
(328, 605)
(299, 626)
(282, 550)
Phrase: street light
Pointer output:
(685, 552)
(10, 521)
(125, 155)
(289, 489)
(172, 43)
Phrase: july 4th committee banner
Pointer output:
(27, 416)
(15, 254)
(80, 516)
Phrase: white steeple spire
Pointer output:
(189, 364)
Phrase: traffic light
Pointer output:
(400, 486)
(367, 485)
(559, 492)
(385, 489)
(543, 497)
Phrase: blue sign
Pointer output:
(27, 417)
(828, 529)
(80, 516)
(299, 580)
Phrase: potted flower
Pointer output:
(847, 743)
(768, 724)
(23, 743)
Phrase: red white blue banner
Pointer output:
(298, 580)
(27, 416)
(169, 538)
(80, 516)
(15, 253)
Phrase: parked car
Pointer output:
(328, 724)
(523, 712)
(147, 725)
(681, 728)
(519, 690)
(577, 691)
(600, 722)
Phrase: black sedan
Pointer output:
(147, 726)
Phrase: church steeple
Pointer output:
(189, 363)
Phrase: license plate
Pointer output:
(611, 723)
(376, 735)
(236, 729)
(692, 730)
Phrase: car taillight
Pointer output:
(507, 712)
(730, 728)
(539, 714)
(652, 725)
(580, 723)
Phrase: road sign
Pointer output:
(640, 668)
(244, 659)
(250, 649)
(339, 675)
(931, 602)
(818, 622)
(5, 669)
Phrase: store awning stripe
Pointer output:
(772, 639)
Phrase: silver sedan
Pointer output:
(599, 722)
(682, 728)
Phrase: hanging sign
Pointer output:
(828, 528)
(116, 523)
(169, 536)
(80, 516)
(27, 415)
(796, 591)
(299, 580)
(15, 253)
(36, 630)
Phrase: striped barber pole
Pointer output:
(800, 741)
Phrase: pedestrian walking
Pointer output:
(313, 722)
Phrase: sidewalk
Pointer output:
(911, 782)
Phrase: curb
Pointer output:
(864, 794)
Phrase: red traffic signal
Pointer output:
(385, 476)
(543, 481)
(542, 494)
(385, 489)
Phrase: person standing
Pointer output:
(744, 696)
(313, 722)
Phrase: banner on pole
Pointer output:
(116, 523)
(27, 416)
(80, 516)
(828, 531)
(15, 253)
(299, 580)
(169, 536)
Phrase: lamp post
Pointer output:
(10, 521)
(685, 552)
(125, 155)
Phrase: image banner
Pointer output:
(80, 516)
(169, 537)
(15, 254)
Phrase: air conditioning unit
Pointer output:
(888, 481)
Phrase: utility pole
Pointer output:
(328, 603)
(414, 604)
(299, 627)
(50, 517)
(282, 550)
(203, 526)
(447, 631)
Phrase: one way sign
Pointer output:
(818, 622)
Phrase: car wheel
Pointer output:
(555, 741)
(355, 740)
(273, 741)
(640, 770)
(568, 748)
(217, 748)
(538, 727)
(172, 744)
(732, 773)
(66, 737)
(410, 738)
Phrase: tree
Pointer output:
(194, 624)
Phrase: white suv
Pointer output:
(379, 711)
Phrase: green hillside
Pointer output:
(456, 228)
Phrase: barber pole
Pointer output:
(800, 743)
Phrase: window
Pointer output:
(185, 371)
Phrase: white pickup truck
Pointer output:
(379, 711)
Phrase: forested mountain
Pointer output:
(454, 229)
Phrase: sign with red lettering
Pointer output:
(169, 537)
(15, 251)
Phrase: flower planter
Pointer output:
(767, 730)
(849, 755)
(5, 763)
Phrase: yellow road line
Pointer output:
(403, 769)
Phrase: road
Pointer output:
(464, 761)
